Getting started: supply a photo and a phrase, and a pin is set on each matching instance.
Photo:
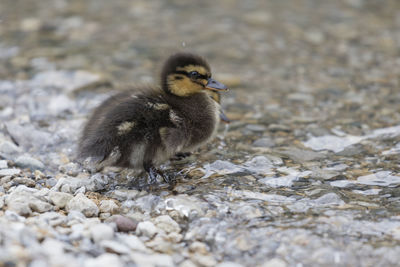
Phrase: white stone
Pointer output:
(101, 231)
(166, 223)
(115, 247)
(147, 229)
(133, 242)
(81, 203)
(60, 199)
(3, 164)
(108, 206)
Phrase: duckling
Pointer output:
(143, 130)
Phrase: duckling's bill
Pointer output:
(215, 85)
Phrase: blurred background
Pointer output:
(308, 51)
(307, 172)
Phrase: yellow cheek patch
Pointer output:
(190, 68)
(182, 87)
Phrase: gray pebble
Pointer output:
(256, 127)
(124, 224)
(29, 162)
(264, 142)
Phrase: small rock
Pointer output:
(147, 229)
(167, 224)
(104, 260)
(19, 202)
(39, 205)
(24, 181)
(108, 206)
(71, 169)
(3, 164)
(60, 199)
(124, 224)
(101, 232)
(97, 182)
(9, 172)
(329, 199)
(81, 203)
(29, 162)
(256, 127)
(264, 142)
(300, 155)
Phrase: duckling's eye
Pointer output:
(194, 75)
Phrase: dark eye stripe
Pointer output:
(201, 76)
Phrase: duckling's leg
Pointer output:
(148, 165)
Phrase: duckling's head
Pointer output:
(186, 74)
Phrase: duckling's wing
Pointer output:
(121, 126)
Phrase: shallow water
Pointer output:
(306, 174)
